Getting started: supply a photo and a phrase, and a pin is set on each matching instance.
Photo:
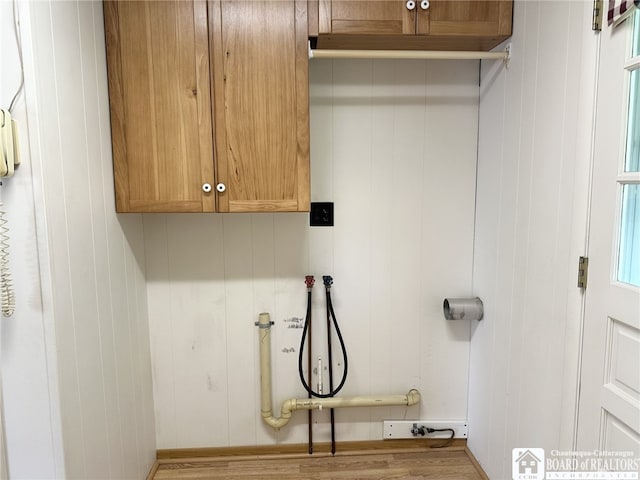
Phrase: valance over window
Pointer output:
(620, 9)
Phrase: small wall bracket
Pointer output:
(263, 325)
(505, 60)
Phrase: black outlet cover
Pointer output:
(321, 214)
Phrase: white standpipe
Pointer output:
(289, 406)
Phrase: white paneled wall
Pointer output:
(32, 432)
(394, 146)
(532, 182)
(91, 261)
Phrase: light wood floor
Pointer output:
(427, 463)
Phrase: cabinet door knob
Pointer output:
(221, 187)
(424, 4)
(206, 187)
(411, 5)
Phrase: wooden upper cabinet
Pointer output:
(367, 17)
(413, 24)
(261, 99)
(209, 105)
(491, 18)
(159, 94)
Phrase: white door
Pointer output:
(609, 407)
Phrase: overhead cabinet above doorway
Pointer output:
(209, 105)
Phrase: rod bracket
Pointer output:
(505, 60)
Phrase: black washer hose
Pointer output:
(310, 391)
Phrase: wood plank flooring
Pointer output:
(426, 463)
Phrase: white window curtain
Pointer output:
(619, 10)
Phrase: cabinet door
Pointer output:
(367, 17)
(159, 93)
(465, 18)
(261, 104)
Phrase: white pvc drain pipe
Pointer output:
(293, 404)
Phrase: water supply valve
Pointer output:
(328, 281)
(309, 280)
(418, 430)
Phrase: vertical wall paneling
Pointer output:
(448, 178)
(290, 238)
(187, 327)
(160, 335)
(59, 251)
(353, 85)
(529, 233)
(94, 183)
(321, 89)
(31, 408)
(78, 225)
(394, 147)
(321, 245)
(586, 64)
(238, 261)
(95, 259)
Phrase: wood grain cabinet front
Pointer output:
(261, 97)
(209, 105)
(412, 24)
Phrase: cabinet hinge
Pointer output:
(596, 20)
(583, 271)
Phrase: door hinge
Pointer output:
(596, 20)
(583, 271)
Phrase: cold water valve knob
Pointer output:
(328, 280)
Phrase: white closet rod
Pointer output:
(410, 54)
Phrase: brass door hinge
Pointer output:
(596, 20)
(583, 271)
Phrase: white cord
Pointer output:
(7, 293)
(16, 30)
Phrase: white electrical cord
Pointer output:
(7, 293)
(16, 30)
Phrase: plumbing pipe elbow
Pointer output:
(287, 408)
(275, 423)
(285, 415)
(413, 397)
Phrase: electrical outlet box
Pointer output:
(402, 428)
(321, 214)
